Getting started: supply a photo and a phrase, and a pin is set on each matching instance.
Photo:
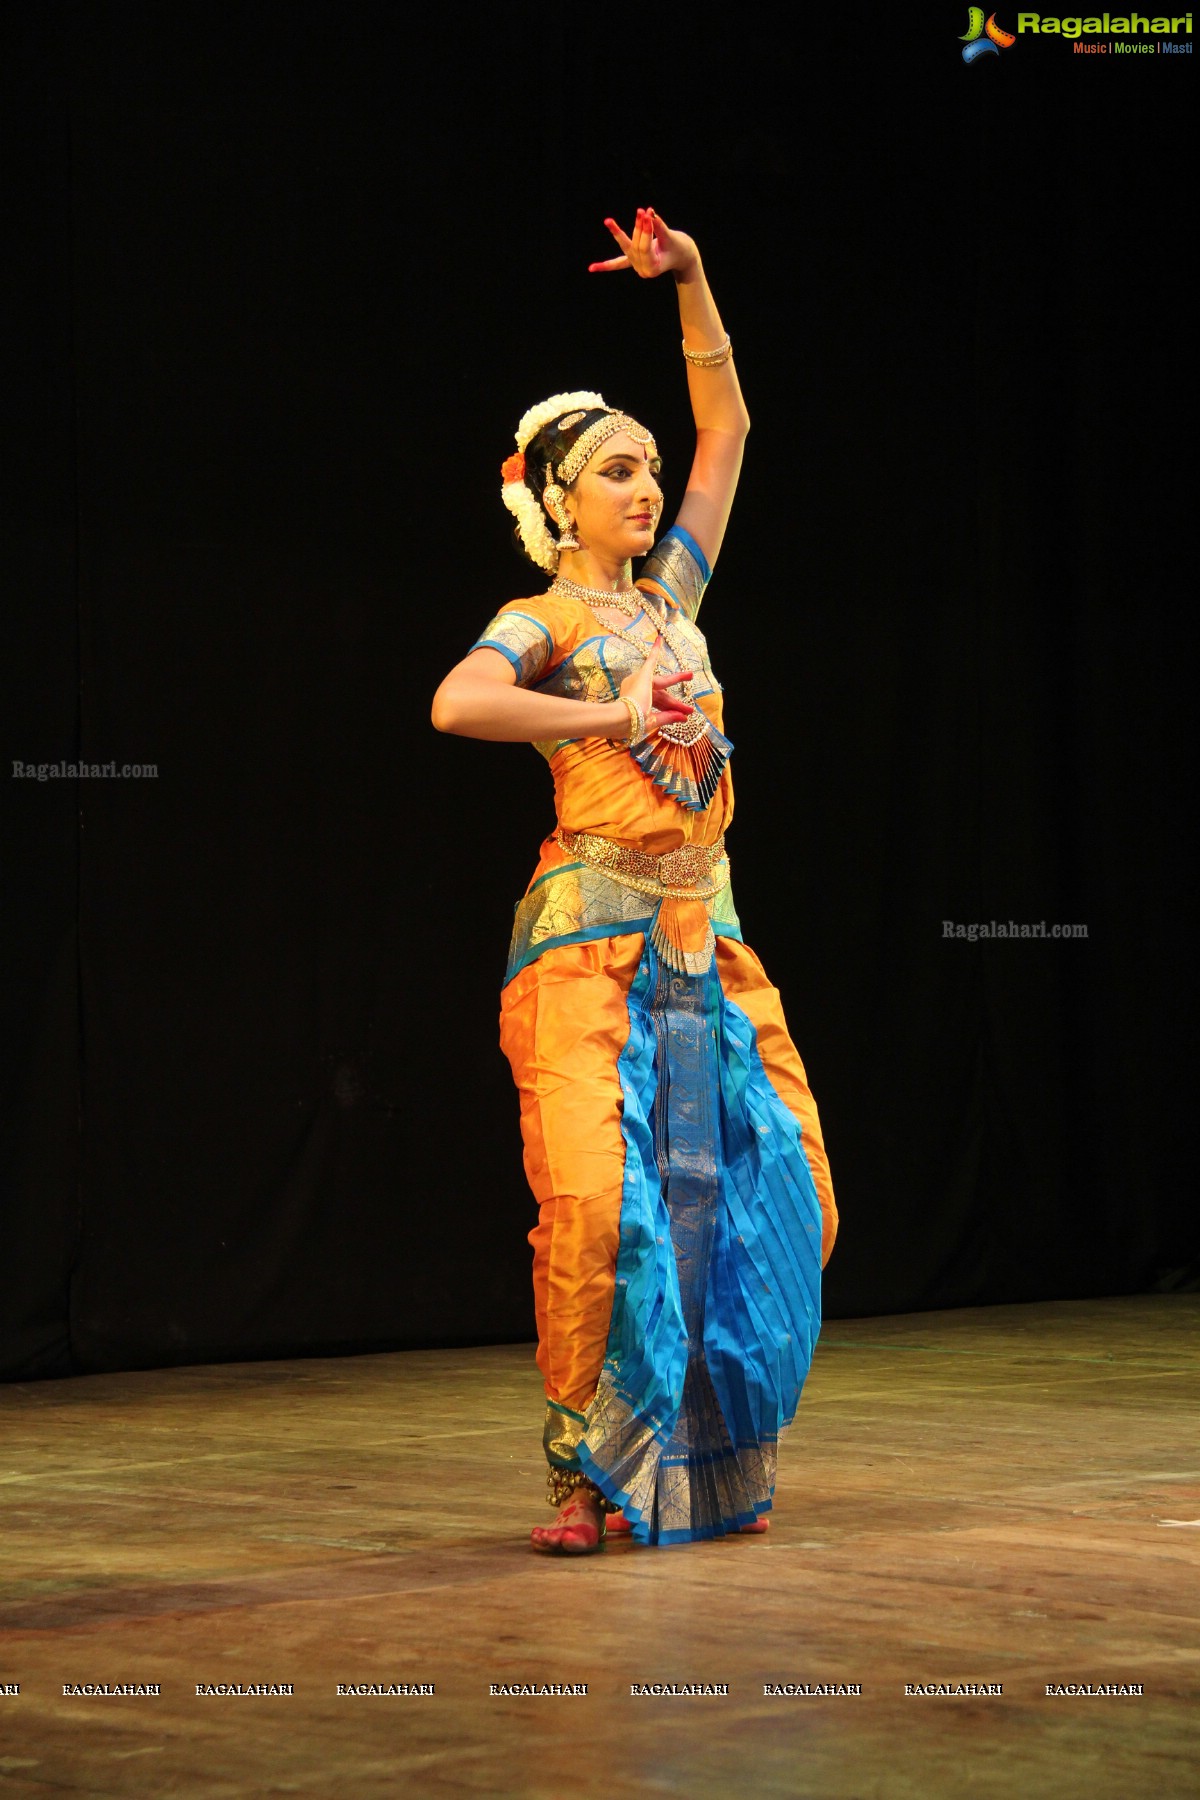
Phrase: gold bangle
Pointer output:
(709, 359)
(637, 721)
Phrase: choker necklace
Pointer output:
(577, 591)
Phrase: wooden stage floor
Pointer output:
(1004, 1496)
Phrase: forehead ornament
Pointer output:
(587, 444)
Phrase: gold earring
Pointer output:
(555, 505)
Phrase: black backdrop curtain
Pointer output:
(281, 280)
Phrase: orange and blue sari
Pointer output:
(671, 1141)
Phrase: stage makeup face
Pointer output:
(616, 500)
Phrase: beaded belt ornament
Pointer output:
(693, 872)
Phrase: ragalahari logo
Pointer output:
(983, 39)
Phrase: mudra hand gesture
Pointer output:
(652, 692)
(652, 250)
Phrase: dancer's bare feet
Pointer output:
(578, 1528)
(619, 1525)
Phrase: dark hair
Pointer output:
(550, 446)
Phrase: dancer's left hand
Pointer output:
(652, 250)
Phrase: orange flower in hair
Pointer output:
(514, 468)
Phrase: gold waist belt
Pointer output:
(693, 872)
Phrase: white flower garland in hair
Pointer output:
(556, 407)
(533, 527)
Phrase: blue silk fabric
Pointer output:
(718, 1277)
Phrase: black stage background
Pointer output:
(282, 280)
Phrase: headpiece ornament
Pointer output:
(589, 441)
(567, 410)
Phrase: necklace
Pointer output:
(589, 595)
(623, 601)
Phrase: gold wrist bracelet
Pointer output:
(637, 721)
(709, 359)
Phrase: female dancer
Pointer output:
(671, 1141)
